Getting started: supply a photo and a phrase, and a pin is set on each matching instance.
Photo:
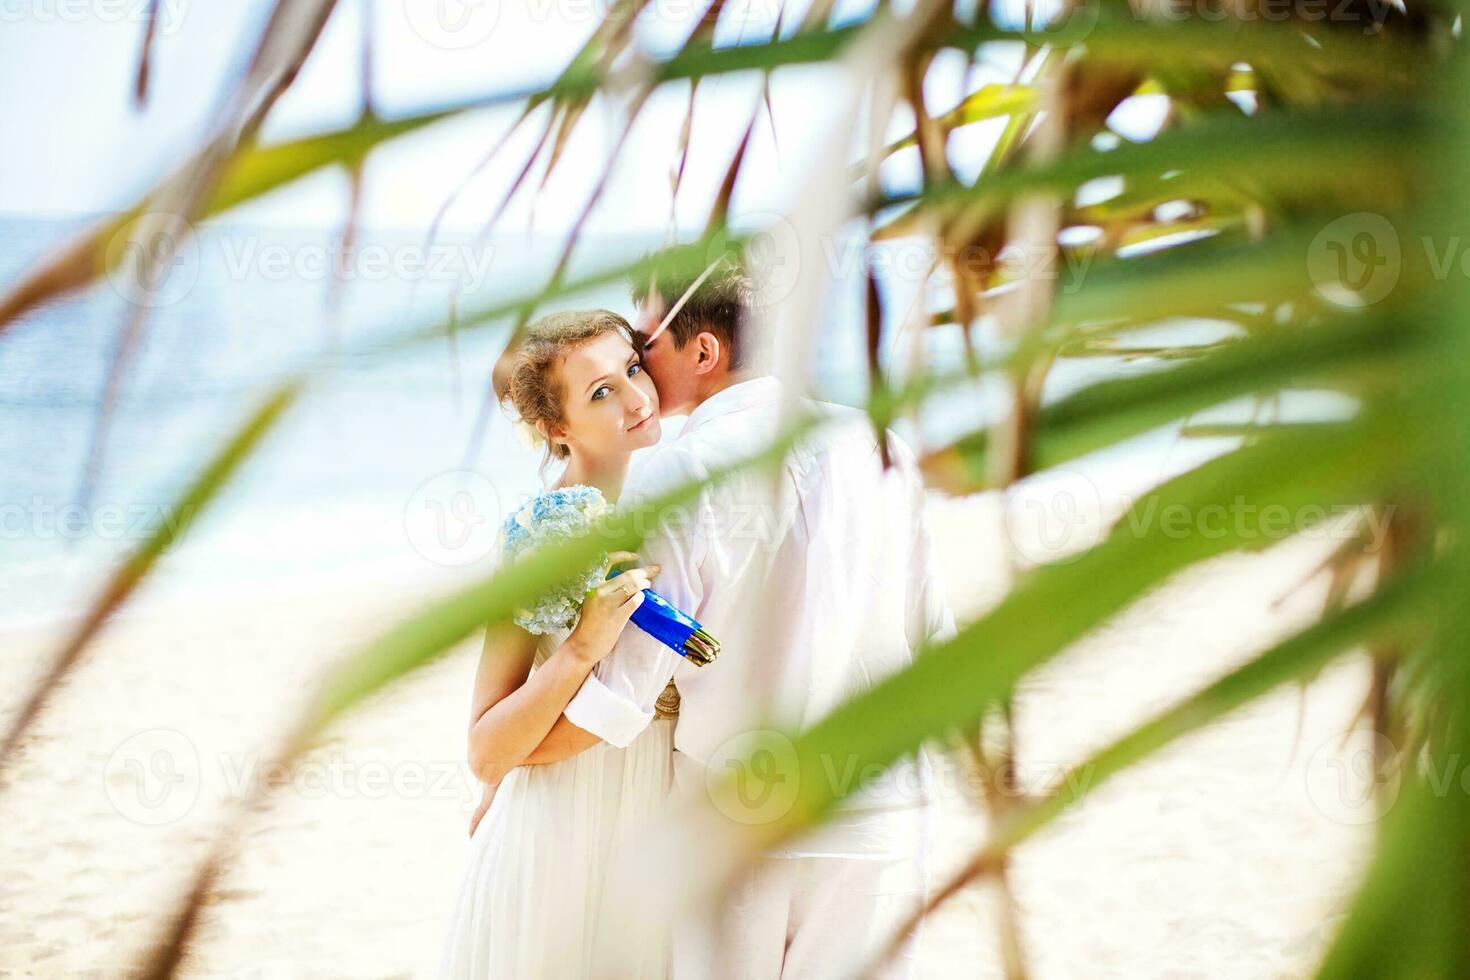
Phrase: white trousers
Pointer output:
(808, 918)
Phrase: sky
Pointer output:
(67, 67)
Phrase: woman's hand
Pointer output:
(608, 607)
(487, 796)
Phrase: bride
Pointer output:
(527, 903)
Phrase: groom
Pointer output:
(818, 585)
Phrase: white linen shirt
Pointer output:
(818, 583)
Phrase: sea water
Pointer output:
(365, 480)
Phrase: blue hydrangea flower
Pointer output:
(551, 517)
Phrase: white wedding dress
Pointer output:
(528, 903)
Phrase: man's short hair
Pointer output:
(719, 305)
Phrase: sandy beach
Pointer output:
(1221, 857)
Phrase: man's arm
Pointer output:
(616, 701)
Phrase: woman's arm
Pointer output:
(562, 742)
(513, 706)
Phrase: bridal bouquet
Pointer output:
(563, 514)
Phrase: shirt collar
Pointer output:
(757, 391)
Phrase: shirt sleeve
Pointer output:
(930, 619)
(616, 701)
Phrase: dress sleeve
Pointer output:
(616, 701)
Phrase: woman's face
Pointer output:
(609, 404)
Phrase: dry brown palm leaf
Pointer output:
(601, 49)
(593, 51)
(165, 957)
(337, 285)
(1092, 91)
(930, 136)
(979, 220)
(557, 110)
(817, 14)
(284, 45)
(876, 381)
(703, 33)
(720, 210)
(145, 56)
(558, 273)
(570, 113)
(146, 241)
(607, 44)
(351, 222)
(477, 169)
(1032, 226)
(347, 241)
(676, 172)
(989, 101)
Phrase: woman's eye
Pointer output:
(634, 368)
(600, 393)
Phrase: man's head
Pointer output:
(705, 344)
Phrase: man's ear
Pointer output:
(708, 357)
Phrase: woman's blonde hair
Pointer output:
(524, 376)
